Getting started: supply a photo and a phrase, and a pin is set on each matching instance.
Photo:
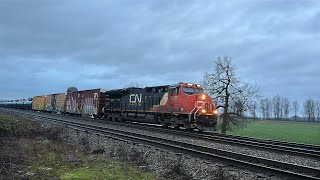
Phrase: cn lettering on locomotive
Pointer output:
(135, 98)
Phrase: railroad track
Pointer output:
(305, 150)
(290, 170)
(310, 151)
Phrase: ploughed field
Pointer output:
(299, 132)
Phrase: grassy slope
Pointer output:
(49, 158)
(300, 132)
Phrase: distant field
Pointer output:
(300, 132)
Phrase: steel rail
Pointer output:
(205, 152)
(286, 148)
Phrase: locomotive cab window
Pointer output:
(174, 90)
(191, 90)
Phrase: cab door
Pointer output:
(174, 104)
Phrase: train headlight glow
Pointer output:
(203, 111)
(203, 96)
(215, 112)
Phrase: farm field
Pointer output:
(300, 132)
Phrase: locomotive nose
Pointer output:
(202, 96)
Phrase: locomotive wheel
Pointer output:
(174, 122)
(113, 117)
(105, 117)
(164, 124)
(200, 126)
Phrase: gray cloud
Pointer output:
(46, 46)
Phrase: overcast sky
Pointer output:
(48, 45)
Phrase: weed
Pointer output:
(175, 169)
(137, 157)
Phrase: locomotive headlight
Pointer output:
(203, 96)
(203, 111)
(215, 112)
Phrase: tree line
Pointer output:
(282, 108)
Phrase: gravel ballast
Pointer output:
(164, 162)
(233, 148)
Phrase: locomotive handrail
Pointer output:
(195, 107)
(203, 103)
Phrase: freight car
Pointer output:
(86, 102)
(24, 104)
(56, 103)
(178, 105)
(39, 103)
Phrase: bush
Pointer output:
(10, 124)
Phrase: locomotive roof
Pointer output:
(157, 86)
(121, 91)
(116, 91)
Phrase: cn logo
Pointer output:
(135, 98)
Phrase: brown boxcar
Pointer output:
(39, 103)
(56, 103)
(86, 102)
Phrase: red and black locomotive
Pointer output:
(178, 105)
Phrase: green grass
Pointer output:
(87, 166)
(106, 170)
(10, 123)
(300, 132)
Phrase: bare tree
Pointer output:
(309, 109)
(228, 89)
(281, 108)
(285, 107)
(317, 109)
(269, 108)
(295, 107)
(253, 109)
(276, 101)
(241, 101)
(266, 108)
(263, 104)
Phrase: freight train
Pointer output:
(178, 105)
